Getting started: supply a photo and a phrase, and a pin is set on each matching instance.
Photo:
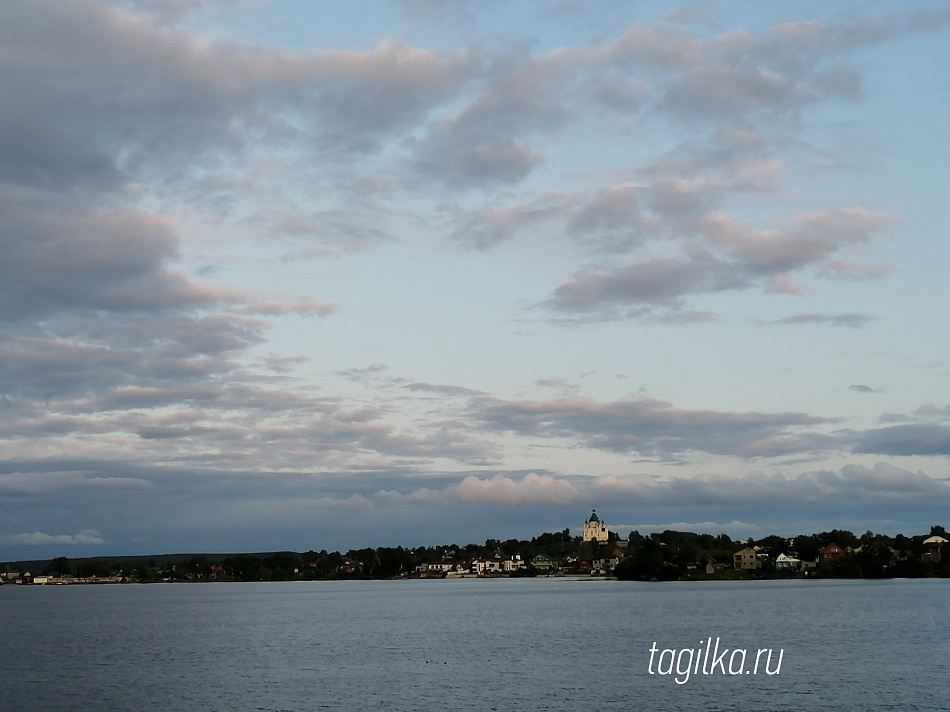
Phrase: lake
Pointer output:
(498, 644)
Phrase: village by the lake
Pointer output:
(595, 552)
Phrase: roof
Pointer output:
(594, 517)
(935, 540)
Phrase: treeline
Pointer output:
(668, 555)
(673, 555)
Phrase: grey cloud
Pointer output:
(729, 92)
(80, 354)
(443, 389)
(169, 90)
(738, 256)
(624, 94)
(910, 439)
(930, 410)
(611, 219)
(302, 307)
(114, 261)
(840, 82)
(463, 162)
(38, 483)
(777, 73)
(486, 227)
(662, 48)
(861, 388)
(89, 536)
(650, 427)
(39, 155)
(854, 321)
(329, 233)
(684, 199)
(483, 144)
(659, 281)
(882, 483)
(360, 374)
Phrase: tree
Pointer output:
(89, 569)
(646, 562)
(807, 547)
(874, 560)
(243, 567)
(60, 565)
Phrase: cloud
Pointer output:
(302, 307)
(483, 143)
(882, 483)
(734, 528)
(854, 321)
(735, 256)
(486, 227)
(443, 389)
(861, 388)
(730, 92)
(359, 374)
(113, 261)
(911, 439)
(532, 490)
(89, 536)
(32, 483)
(652, 427)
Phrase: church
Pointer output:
(594, 529)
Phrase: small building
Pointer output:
(783, 562)
(606, 565)
(512, 564)
(746, 559)
(544, 562)
(831, 552)
(934, 547)
(595, 529)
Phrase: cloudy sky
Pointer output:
(292, 275)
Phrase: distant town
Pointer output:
(596, 552)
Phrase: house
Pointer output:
(351, 566)
(831, 552)
(439, 567)
(544, 562)
(606, 565)
(486, 567)
(595, 529)
(461, 568)
(746, 559)
(513, 564)
(783, 562)
(934, 547)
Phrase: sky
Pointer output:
(293, 275)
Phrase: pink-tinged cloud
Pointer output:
(532, 490)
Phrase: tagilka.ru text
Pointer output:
(711, 660)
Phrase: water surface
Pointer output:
(500, 644)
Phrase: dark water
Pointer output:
(472, 645)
